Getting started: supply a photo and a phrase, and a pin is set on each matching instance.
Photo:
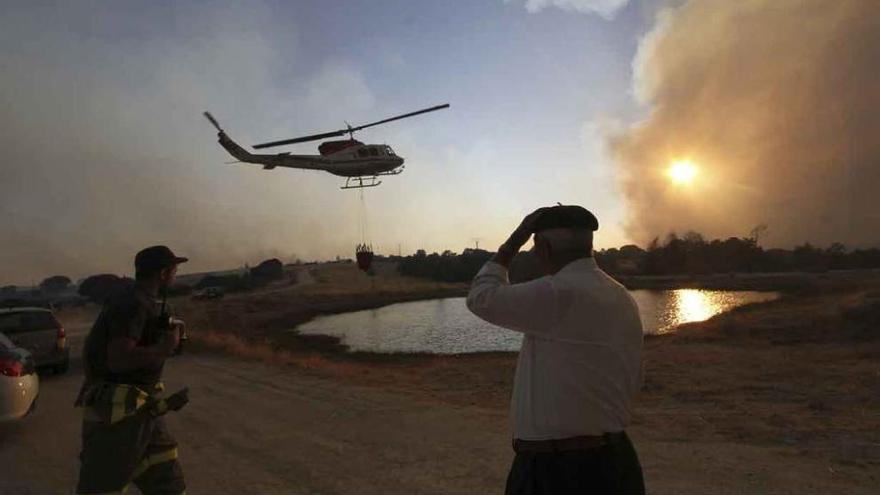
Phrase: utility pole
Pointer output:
(477, 242)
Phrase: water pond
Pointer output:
(445, 326)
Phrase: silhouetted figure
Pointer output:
(579, 365)
(124, 437)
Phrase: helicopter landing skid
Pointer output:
(361, 182)
(393, 172)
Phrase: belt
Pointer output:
(110, 402)
(564, 444)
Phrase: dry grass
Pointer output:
(331, 288)
(801, 372)
(265, 352)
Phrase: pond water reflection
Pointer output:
(445, 326)
(662, 311)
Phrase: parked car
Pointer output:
(19, 383)
(38, 331)
(208, 293)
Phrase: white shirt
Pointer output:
(580, 362)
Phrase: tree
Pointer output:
(55, 283)
(270, 269)
(810, 258)
(100, 287)
(836, 255)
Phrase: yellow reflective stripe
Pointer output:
(120, 404)
(117, 412)
(152, 460)
(160, 387)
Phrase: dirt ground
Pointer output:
(779, 397)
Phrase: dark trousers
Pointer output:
(137, 450)
(611, 469)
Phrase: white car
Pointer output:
(19, 383)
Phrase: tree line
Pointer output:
(444, 267)
(98, 288)
(692, 254)
(687, 254)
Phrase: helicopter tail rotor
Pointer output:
(213, 121)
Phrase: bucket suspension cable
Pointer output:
(364, 226)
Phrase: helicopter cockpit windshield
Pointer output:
(389, 151)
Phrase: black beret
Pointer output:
(157, 258)
(566, 217)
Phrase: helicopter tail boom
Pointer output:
(234, 149)
(268, 162)
(228, 144)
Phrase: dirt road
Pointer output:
(266, 429)
(252, 428)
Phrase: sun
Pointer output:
(682, 172)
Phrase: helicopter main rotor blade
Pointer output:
(313, 137)
(349, 130)
(390, 119)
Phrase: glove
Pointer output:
(178, 399)
(173, 402)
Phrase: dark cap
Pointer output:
(156, 258)
(566, 217)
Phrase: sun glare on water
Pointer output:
(682, 172)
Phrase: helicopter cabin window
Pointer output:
(362, 152)
(374, 152)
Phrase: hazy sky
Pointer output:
(105, 150)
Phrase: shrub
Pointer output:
(99, 287)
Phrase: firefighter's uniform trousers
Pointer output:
(125, 441)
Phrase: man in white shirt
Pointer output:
(579, 365)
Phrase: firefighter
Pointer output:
(124, 436)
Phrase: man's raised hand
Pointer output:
(525, 230)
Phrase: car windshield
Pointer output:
(25, 321)
(10, 321)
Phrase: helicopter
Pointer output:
(361, 164)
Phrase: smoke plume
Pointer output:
(776, 103)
